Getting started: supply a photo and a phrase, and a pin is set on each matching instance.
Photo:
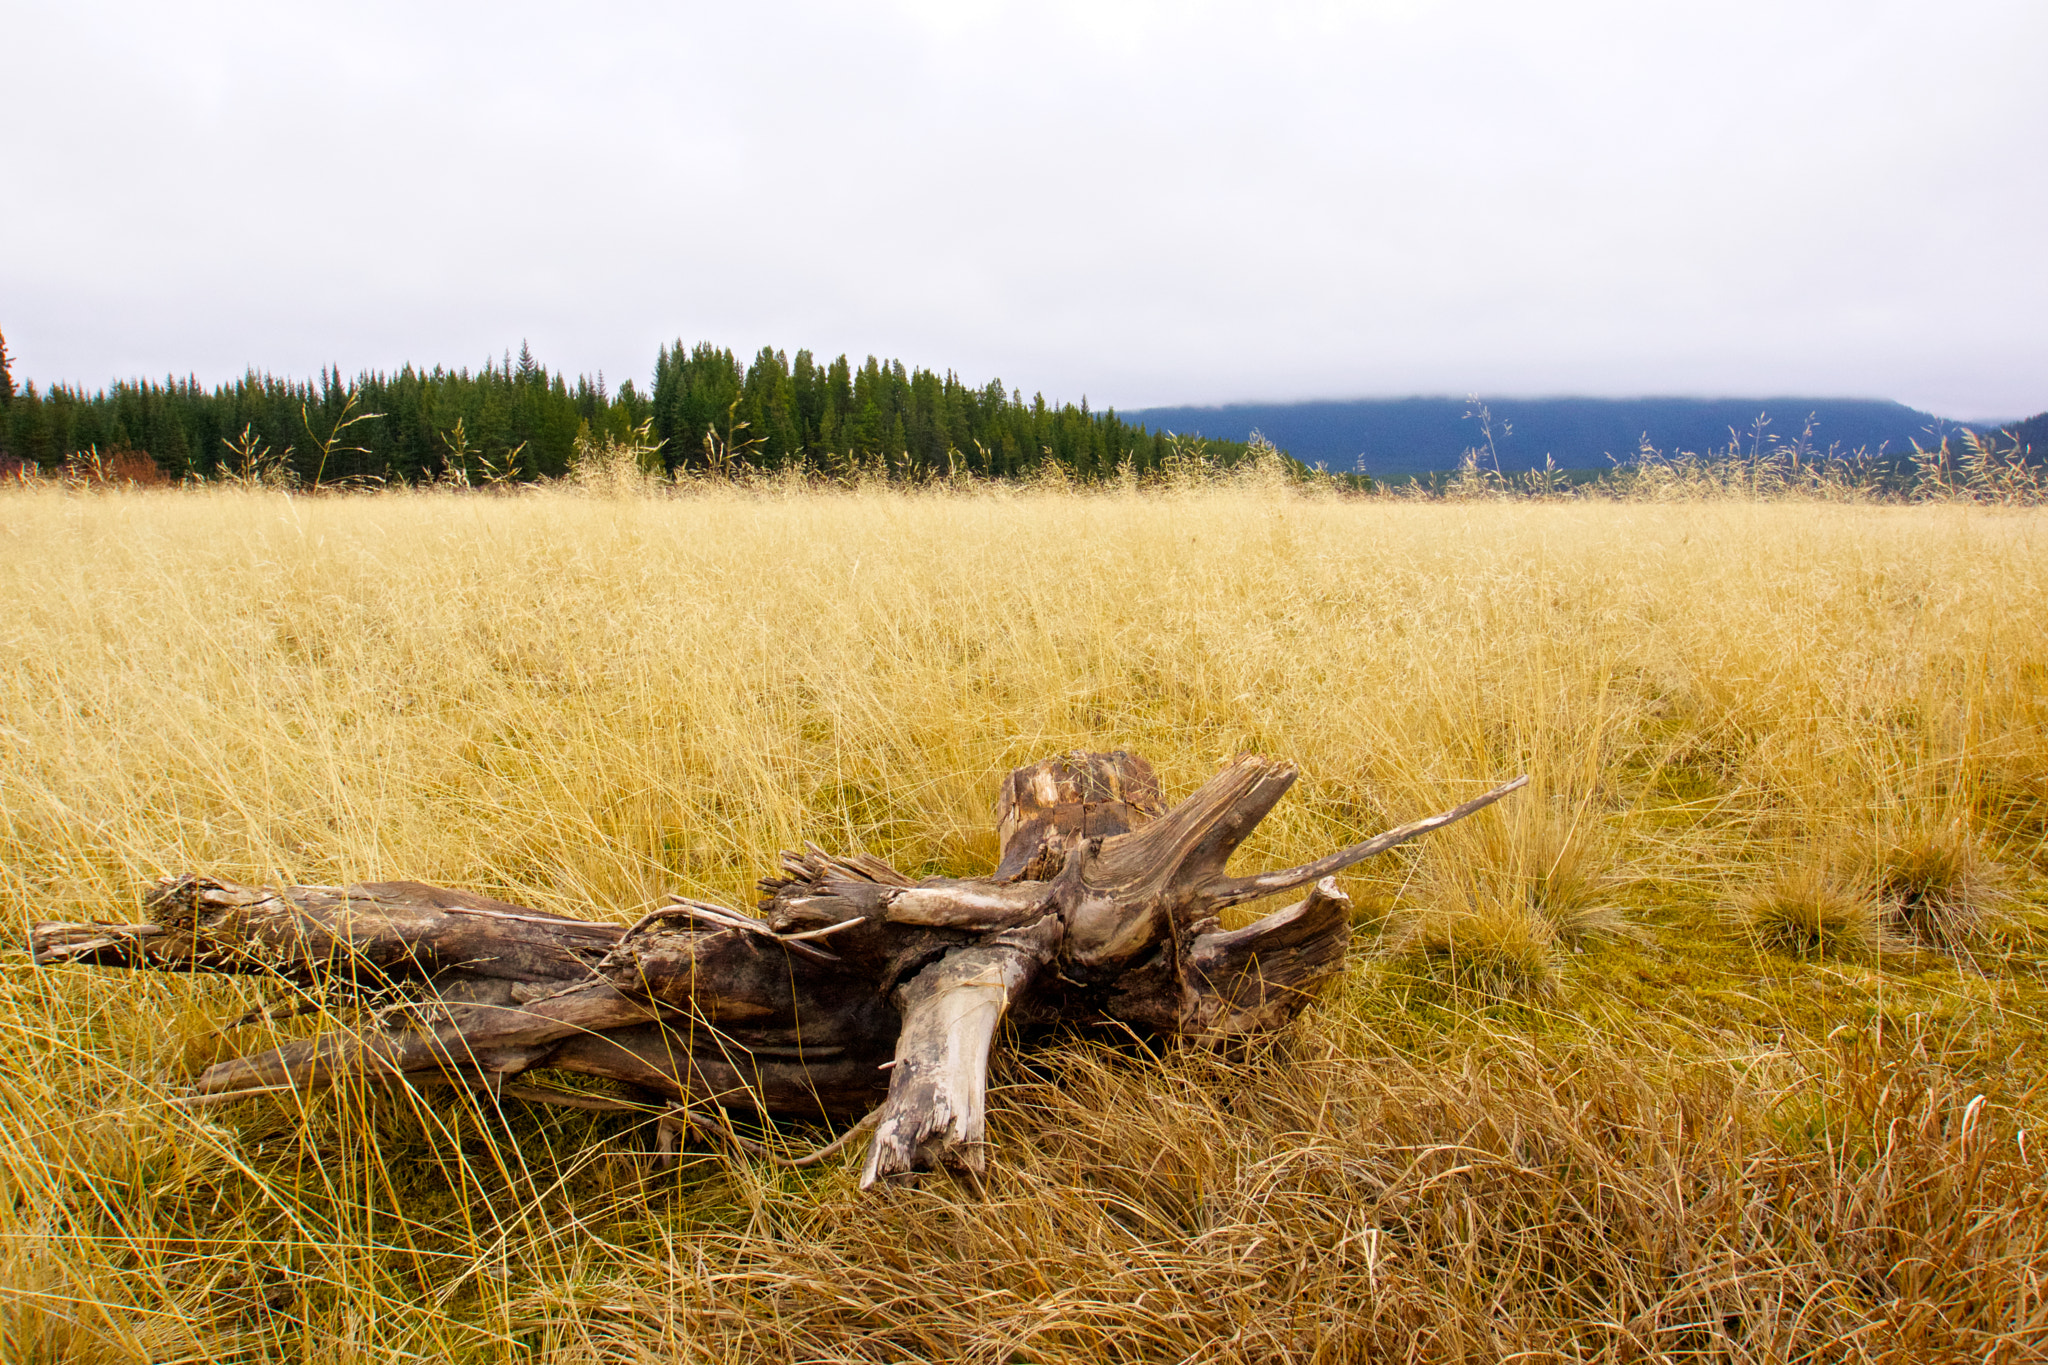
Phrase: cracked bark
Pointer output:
(854, 986)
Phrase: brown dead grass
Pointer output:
(1682, 1145)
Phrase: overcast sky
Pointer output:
(1143, 203)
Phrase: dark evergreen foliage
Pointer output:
(709, 408)
(513, 416)
(6, 398)
(2032, 433)
(527, 415)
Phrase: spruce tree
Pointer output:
(6, 399)
(919, 421)
(29, 424)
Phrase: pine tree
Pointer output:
(29, 438)
(6, 400)
(917, 421)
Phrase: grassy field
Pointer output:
(1725, 1041)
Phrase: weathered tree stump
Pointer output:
(855, 986)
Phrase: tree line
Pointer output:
(514, 419)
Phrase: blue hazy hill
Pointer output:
(1392, 437)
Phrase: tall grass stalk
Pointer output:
(1684, 1146)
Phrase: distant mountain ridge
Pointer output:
(1394, 437)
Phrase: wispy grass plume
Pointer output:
(1563, 1109)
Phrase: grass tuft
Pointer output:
(1560, 863)
(1495, 947)
(1935, 883)
(1562, 1114)
(1499, 900)
(1805, 912)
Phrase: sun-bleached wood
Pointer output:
(855, 987)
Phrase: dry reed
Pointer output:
(1681, 1147)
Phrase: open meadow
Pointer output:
(1726, 1040)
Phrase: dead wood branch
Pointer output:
(856, 986)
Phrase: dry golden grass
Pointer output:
(1934, 879)
(1807, 912)
(1681, 1146)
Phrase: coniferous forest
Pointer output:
(514, 419)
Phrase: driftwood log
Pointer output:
(855, 989)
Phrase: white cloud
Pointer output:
(1145, 202)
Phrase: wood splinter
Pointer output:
(856, 990)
